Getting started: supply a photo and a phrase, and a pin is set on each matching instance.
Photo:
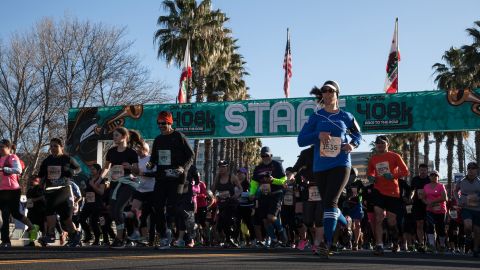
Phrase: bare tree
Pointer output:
(56, 66)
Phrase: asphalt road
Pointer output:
(146, 258)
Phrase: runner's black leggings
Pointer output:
(436, 223)
(9, 205)
(166, 196)
(331, 184)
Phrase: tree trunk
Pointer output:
(411, 146)
(450, 144)
(438, 143)
(215, 156)
(477, 146)
(195, 151)
(241, 151)
(223, 149)
(237, 153)
(460, 151)
(426, 147)
(207, 164)
(417, 156)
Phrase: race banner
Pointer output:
(425, 111)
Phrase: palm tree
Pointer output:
(439, 136)
(204, 27)
(426, 147)
(472, 57)
(454, 74)
(460, 136)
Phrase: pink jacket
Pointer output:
(10, 173)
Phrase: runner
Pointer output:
(419, 209)
(224, 189)
(36, 205)
(142, 195)
(327, 130)
(267, 186)
(57, 171)
(245, 207)
(435, 199)
(173, 156)
(469, 201)
(122, 161)
(10, 191)
(93, 205)
(385, 167)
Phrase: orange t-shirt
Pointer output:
(388, 162)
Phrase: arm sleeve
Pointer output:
(355, 132)
(253, 187)
(402, 168)
(307, 135)
(154, 155)
(279, 181)
(188, 153)
(15, 166)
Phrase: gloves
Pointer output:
(388, 176)
(371, 178)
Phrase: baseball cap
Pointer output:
(242, 170)
(381, 139)
(472, 165)
(265, 151)
(223, 163)
(434, 172)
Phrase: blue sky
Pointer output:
(347, 41)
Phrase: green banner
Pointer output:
(380, 113)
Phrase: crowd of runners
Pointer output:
(153, 196)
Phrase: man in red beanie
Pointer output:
(173, 156)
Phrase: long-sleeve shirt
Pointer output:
(381, 164)
(275, 169)
(339, 125)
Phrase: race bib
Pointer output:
(54, 172)
(453, 214)
(90, 197)
(102, 221)
(164, 157)
(409, 209)
(223, 194)
(313, 194)
(382, 168)
(288, 199)
(421, 193)
(332, 148)
(297, 194)
(354, 191)
(117, 172)
(265, 189)
(472, 200)
(298, 207)
(29, 203)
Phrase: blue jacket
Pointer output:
(339, 125)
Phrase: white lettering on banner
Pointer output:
(287, 120)
(259, 108)
(293, 120)
(236, 119)
(302, 117)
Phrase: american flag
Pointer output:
(287, 65)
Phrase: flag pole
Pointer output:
(398, 66)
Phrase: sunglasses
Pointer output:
(472, 168)
(433, 174)
(162, 123)
(328, 91)
(265, 156)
